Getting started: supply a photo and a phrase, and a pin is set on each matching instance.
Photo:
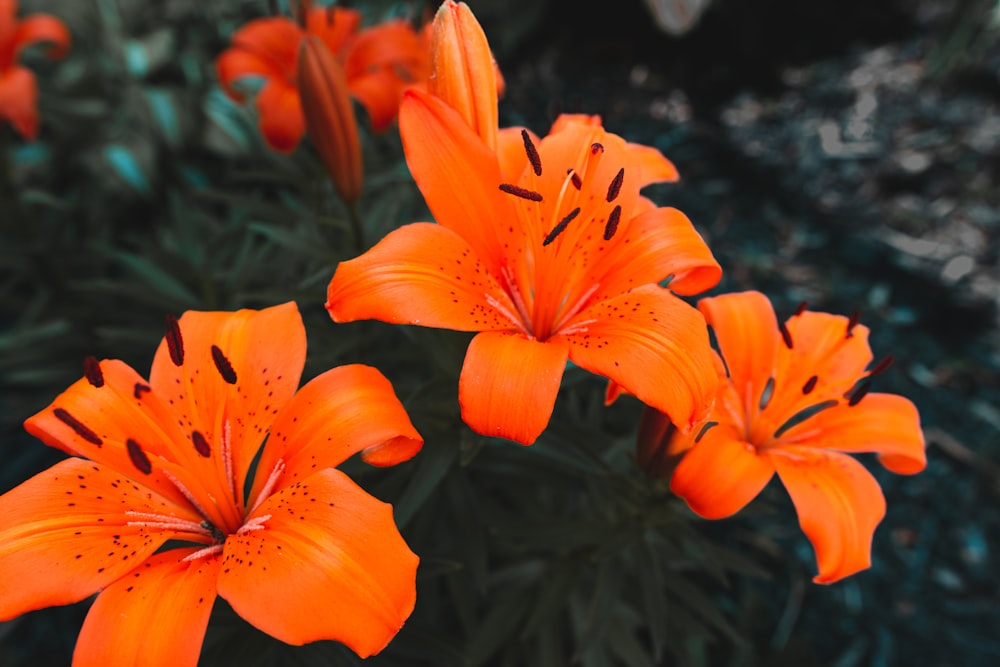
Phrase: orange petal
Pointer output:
(124, 425)
(652, 246)
(379, 92)
(42, 28)
(19, 101)
(564, 120)
(334, 25)
(329, 116)
(238, 370)
(327, 563)
(747, 332)
(156, 616)
(653, 166)
(391, 45)
(721, 474)
(655, 346)
(8, 12)
(458, 175)
(882, 423)
(233, 64)
(510, 152)
(822, 347)
(281, 120)
(380, 63)
(67, 532)
(509, 384)
(839, 505)
(344, 411)
(275, 40)
(464, 74)
(418, 274)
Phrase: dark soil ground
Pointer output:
(844, 153)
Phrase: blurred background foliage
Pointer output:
(150, 192)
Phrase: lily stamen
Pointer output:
(532, 153)
(523, 193)
(265, 491)
(256, 523)
(201, 553)
(559, 228)
(577, 306)
(165, 522)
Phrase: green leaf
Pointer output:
(435, 460)
(157, 279)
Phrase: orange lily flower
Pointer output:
(554, 257)
(18, 87)
(379, 62)
(795, 401)
(300, 551)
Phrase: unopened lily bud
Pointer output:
(463, 71)
(330, 120)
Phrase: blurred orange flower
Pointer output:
(300, 551)
(795, 401)
(379, 62)
(18, 87)
(553, 256)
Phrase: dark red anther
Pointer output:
(523, 193)
(576, 180)
(704, 429)
(616, 185)
(175, 344)
(786, 335)
(223, 366)
(596, 148)
(558, 229)
(858, 393)
(853, 322)
(92, 371)
(810, 385)
(801, 308)
(532, 153)
(882, 366)
(138, 457)
(201, 444)
(612, 226)
(78, 426)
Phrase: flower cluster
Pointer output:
(216, 476)
(18, 87)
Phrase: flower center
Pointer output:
(553, 281)
(795, 405)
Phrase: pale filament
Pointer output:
(505, 311)
(187, 494)
(265, 491)
(576, 308)
(165, 522)
(201, 553)
(517, 297)
(256, 523)
(227, 457)
(577, 327)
